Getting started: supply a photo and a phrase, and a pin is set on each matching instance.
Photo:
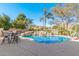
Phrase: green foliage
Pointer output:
(75, 28)
(6, 26)
(64, 32)
(5, 22)
(21, 21)
(61, 30)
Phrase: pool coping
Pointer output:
(52, 35)
(71, 38)
(25, 38)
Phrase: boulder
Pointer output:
(1, 32)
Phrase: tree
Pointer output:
(29, 23)
(20, 21)
(5, 21)
(44, 17)
(1, 21)
(64, 12)
(75, 28)
(53, 19)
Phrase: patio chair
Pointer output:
(11, 36)
(6, 37)
(16, 37)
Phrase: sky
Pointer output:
(31, 10)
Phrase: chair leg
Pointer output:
(3, 41)
(13, 40)
(17, 39)
(9, 41)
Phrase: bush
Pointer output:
(6, 26)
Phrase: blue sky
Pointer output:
(31, 10)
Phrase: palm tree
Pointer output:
(44, 18)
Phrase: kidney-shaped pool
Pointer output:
(47, 39)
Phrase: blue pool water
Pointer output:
(48, 39)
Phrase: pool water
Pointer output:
(48, 39)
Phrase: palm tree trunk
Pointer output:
(67, 25)
(45, 24)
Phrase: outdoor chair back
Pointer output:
(6, 37)
(11, 37)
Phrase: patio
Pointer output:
(29, 48)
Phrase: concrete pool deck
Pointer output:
(30, 48)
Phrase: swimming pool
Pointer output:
(48, 39)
